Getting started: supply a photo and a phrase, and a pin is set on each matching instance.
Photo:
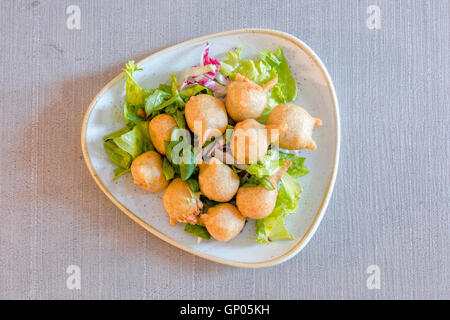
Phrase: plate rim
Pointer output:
(303, 241)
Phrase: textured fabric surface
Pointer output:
(390, 205)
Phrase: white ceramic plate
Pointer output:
(317, 95)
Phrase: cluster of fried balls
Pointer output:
(289, 125)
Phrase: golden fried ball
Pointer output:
(256, 202)
(299, 126)
(218, 181)
(160, 128)
(251, 139)
(147, 171)
(181, 204)
(206, 116)
(259, 202)
(245, 99)
(223, 222)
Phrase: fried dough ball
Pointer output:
(259, 202)
(251, 139)
(147, 171)
(181, 204)
(245, 99)
(218, 181)
(206, 117)
(299, 126)
(160, 128)
(223, 222)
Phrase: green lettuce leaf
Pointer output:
(126, 144)
(168, 170)
(269, 164)
(256, 70)
(208, 203)
(168, 146)
(130, 113)
(171, 102)
(117, 155)
(119, 132)
(165, 87)
(228, 66)
(147, 144)
(135, 95)
(266, 166)
(286, 89)
(272, 228)
(180, 146)
(177, 100)
(187, 92)
(289, 192)
(196, 230)
(118, 172)
(135, 141)
(228, 134)
(193, 184)
(180, 119)
(155, 100)
(255, 181)
(187, 167)
(164, 99)
(298, 168)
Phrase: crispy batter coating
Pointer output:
(147, 171)
(299, 126)
(206, 116)
(259, 202)
(159, 129)
(218, 181)
(223, 222)
(181, 204)
(245, 99)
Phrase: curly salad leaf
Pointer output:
(134, 93)
(197, 230)
(126, 144)
(298, 167)
(271, 64)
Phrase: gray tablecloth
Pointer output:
(390, 206)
